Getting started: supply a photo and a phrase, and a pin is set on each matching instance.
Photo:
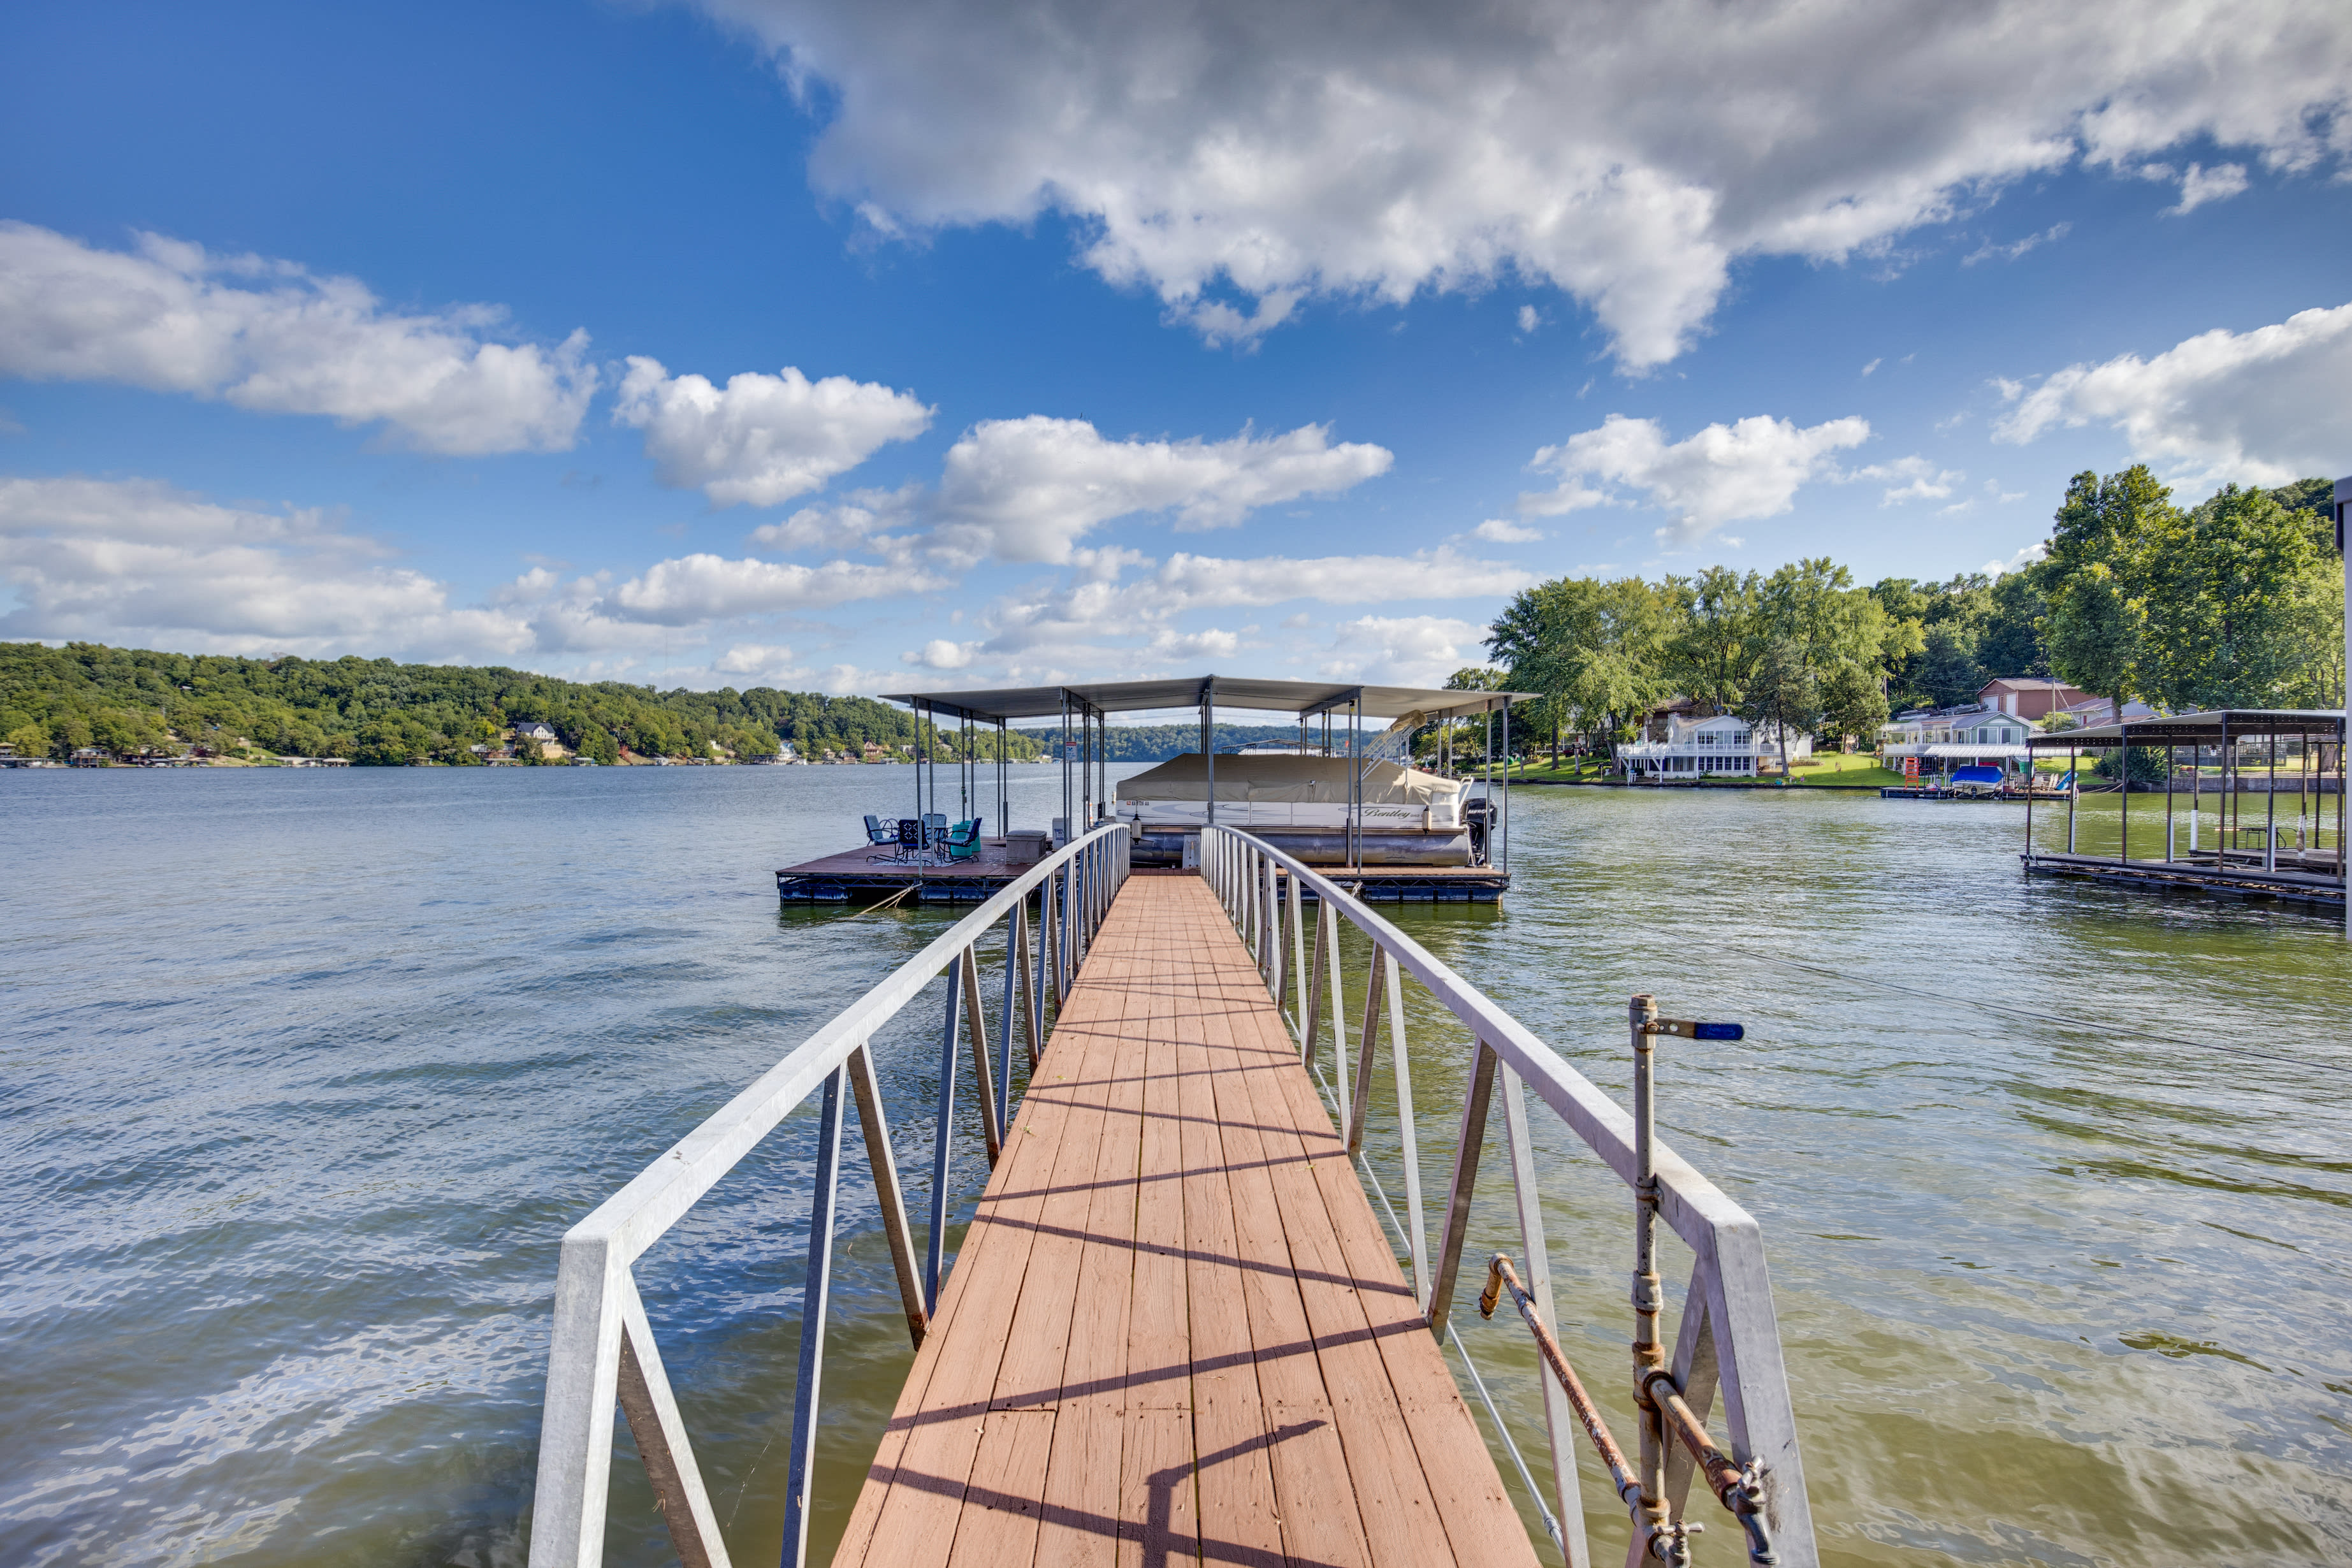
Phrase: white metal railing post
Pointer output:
(1004, 1025)
(1559, 1416)
(935, 1244)
(816, 1294)
(1299, 956)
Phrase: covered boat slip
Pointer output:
(1175, 1331)
(1404, 834)
(2253, 807)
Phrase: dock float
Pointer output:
(1175, 1330)
(852, 877)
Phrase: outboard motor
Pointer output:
(1478, 815)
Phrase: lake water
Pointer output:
(306, 1072)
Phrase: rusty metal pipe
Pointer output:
(1740, 1490)
(1666, 1545)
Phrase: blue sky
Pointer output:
(1121, 341)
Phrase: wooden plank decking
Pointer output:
(1175, 1332)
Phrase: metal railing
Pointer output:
(603, 1350)
(1727, 1341)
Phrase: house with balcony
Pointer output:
(1943, 739)
(1674, 744)
(2028, 697)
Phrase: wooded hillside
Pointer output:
(134, 701)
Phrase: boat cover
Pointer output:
(1321, 781)
(1976, 776)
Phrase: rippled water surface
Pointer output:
(306, 1073)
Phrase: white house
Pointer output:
(534, 731)
(1724, 743)
(1977, 735)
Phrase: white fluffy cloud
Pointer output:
(691, 590)
(761, 439)
(1097, 618)
(1910, 478)
(1403, 650)
(1503, 530)
(137, 561)
(2264, 408)
(940, 654)
(1627, 154)
(1723, 474)
(268, 336)
(1029, 490)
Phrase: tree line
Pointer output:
(134, 703)
(2236, 602)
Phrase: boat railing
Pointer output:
(603, 1350)
(1728, 1338)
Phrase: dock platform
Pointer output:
(1175, 1331)
(851, 878)
(2233, 878)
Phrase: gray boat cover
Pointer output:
(1321, 781)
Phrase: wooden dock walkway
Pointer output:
(1175, 1331)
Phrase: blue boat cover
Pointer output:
(1976, 776)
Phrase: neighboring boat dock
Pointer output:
(2269, 831)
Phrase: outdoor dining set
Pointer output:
(929, 839)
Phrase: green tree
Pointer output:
(2228, 611)
(2094, 634)
(596, 744)
(2109, 533)
(1852, 703)
(1948, 673)
(1784, 693)
(1713, 637)
(2010, 641)
(29, 740)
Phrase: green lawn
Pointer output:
(1832, 768)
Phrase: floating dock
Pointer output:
(852, 877)
(2241, 877)
(1175, 1331)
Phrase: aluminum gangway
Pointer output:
(1175, 1328)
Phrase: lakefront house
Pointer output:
(1674, 743)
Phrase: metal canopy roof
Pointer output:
(2197, 728)
(1300, 697)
